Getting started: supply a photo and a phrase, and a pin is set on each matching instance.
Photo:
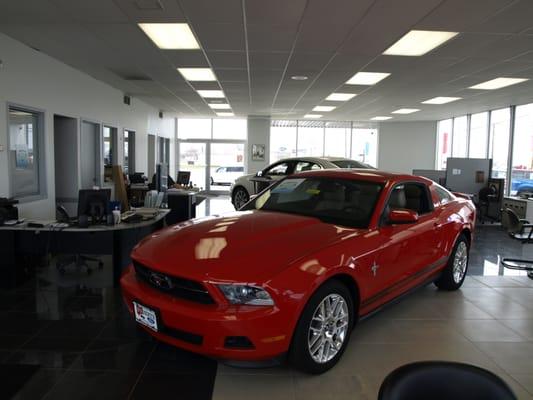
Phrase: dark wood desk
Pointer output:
(118, 240)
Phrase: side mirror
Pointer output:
(403, 216)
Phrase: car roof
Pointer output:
(373, 175)
(313, 159)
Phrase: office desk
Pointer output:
(522, 207)
(118, 240)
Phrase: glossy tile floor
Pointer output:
(64, 337)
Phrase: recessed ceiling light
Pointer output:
(171, 36)
(220, 106)
(498, 83)
(340, 96)
(314, 116)
(197, 74)
(380, 118)
(299, 78)
(367, 78)
(324, 108)
(418, 43)
(441, 100)
(225, 114)
(405, 111)
(213, 94)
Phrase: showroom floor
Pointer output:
(59, 340)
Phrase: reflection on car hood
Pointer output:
(248, 246)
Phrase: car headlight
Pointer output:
(246, 294)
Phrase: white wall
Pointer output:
(30, 78)
(258, 133)
(404, 146)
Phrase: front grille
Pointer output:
(178, 287)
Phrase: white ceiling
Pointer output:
(255, 46)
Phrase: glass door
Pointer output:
(193, 158)
(226, 163)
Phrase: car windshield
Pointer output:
(350, 164)
(337, 201)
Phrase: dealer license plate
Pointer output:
(145, 316)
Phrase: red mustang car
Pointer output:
(293, 271)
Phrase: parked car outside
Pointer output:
(246, 186)
(293, 272)
(226, 175)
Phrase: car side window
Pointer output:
(410, 196)
(443, 195)
(221, 169)
(306, 166)
(416, 198)
(278, 170)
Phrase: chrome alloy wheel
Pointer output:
(240, 199)
(460, 262)
(328, 328)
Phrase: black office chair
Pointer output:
(484, 196)
(79, 260)
(517, 228)
(441, 380)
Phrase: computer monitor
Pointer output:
(161, 178)
(183, 178)
(94, 203)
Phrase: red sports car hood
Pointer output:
(248, 247)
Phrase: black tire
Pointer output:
(299, 352)
(448, 280)
(236, 197)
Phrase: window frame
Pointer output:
(42, 192)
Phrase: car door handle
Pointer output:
(436, 225)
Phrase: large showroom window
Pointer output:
(337, 139)
(310, 138)
(460, 136)
(444, 142)
(282, 140)
(500, 121)
(317, 139)
(194, 128)
(479, 128)
(364, 145)
(212, 150)
(522, 166)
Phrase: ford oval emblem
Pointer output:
(161, 281)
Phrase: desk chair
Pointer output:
(79, 260)
(441, 380)
(517, 228)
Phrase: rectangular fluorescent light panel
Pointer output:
(340, 96)
(380, 118)
(225, 114)
(367, 78)
(498, 83)
(441, 100)
(171, 36)
(313, 116)
(405, 111)
(197, 74)
(211, 94)
(220, 106)
(418, 43)
(324, 108)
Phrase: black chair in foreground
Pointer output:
(441, 380)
